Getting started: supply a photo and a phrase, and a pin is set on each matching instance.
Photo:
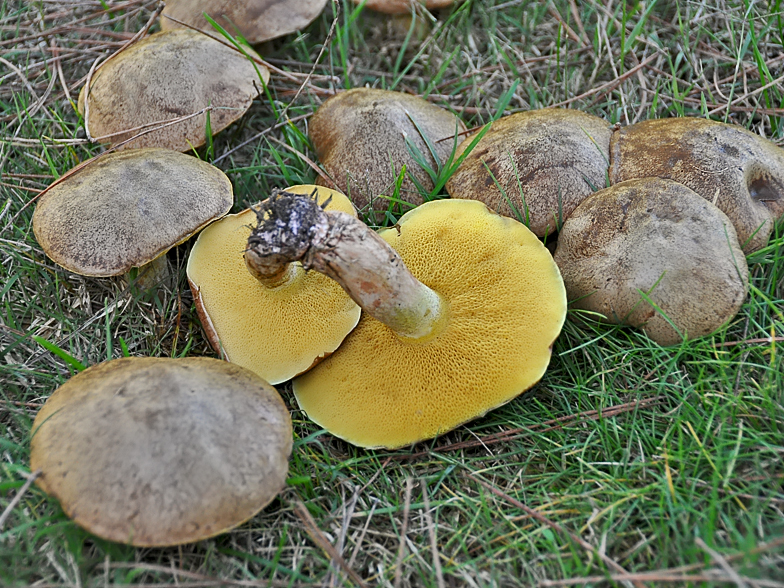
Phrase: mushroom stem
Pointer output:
(295, 228)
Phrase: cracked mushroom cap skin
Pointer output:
(505, 305)
(160, 451)
(124, 209)
(556, 157)
(403, 6)
(256, 20)
(662, 238)
(278, 332)
(166, 76)
(735, 169)
(360, 138)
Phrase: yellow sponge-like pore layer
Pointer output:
(506, 304)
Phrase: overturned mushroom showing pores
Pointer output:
(277, 325)
(365, 137)
(255, 20)
(158, 451)
(462, 307)
(735, 169)
(535, 166)
(160, 87)
(653, 240)
(126, 209)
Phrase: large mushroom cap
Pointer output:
(360, 138)
(738, 171)
(504, 305)
(122, 210)
(657, 237)
(156, 451)
(166, 76)
(276, 332)
(545, 161)
(255, 20)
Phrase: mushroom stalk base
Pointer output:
(295, 228)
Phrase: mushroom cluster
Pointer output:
(665, 256)
(398, 335)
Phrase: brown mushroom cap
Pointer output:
(555, 157)
(738, 171)
(504, 304)
(156, 451)
(166, 76)
(659, 237)
(360, 138)
(124, 209)
(402, 6)
(255, 20)
(275, 332)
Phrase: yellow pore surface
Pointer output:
(506, 304)
(275, 332)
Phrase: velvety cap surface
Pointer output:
(158, 451)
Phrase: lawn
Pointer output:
(628, 464)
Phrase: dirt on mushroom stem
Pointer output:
(295, 228)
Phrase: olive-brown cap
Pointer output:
(158, 451)
(360, 137)
(166, 76)
(660, 238)
(122, 210)
(403, 6)
(544, 161)
(504, 305)
(255, 20)
(738, 171)
(277, 332)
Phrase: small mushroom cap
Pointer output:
(124, 209)
(360, 138)
(554, 157)
(158, 451)
(255, 20)
(659, 237)
(505, 305)
(738, 171)
(402, 6)
(275, 332)
(166, 76)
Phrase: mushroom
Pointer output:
(123, 210)
(738, 171)
(278, 326)
(159, 451)
(365, 138)
(535, 166)
(255, 20)
(653, 254)
(427, 355)
(170, 75)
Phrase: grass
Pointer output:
(667, 462)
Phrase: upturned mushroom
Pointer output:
(462, 307)
(157, 451)
(535, 166)
(365, 137)
(277, 325)
(738, 171)
(123, 210)
(167, 76)
(256, 20)
(653, 254)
